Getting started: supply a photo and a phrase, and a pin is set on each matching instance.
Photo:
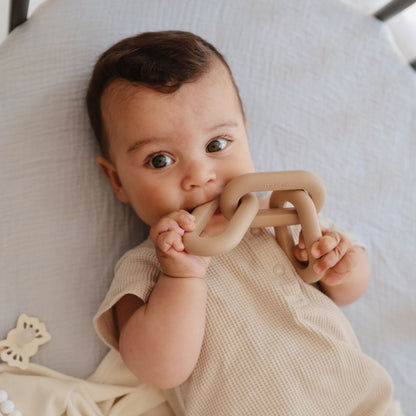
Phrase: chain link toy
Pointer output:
(303, 190)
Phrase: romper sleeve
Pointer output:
(135, 273)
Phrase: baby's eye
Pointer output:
(216, 145)
(160, 161)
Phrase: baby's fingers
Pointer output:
(300, 252)
(168, 240)
(328, 242)
(336, 274)
(329, 251)
(185, 220)
(178, 221)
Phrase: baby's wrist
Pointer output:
(171, 276)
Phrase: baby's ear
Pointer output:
(111, 174)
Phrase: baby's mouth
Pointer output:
(190, 210)
(217, 211)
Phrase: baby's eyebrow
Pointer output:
(223, 125)
(143, 142)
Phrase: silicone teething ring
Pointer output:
(310, 227)
(304, 190)
(272, 181)
(230, 237)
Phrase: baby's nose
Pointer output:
(198, 175)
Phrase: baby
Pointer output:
(239, 333)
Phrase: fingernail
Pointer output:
(315, 252)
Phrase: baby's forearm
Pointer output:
(162, 340)
(354, 284)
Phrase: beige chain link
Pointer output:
(303, 190)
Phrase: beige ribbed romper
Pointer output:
(273, 345)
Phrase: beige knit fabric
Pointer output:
(273, 344)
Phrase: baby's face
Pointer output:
(174, 151)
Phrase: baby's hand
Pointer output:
(334, 254)
(167, 237)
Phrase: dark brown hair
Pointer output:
(162, 61)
